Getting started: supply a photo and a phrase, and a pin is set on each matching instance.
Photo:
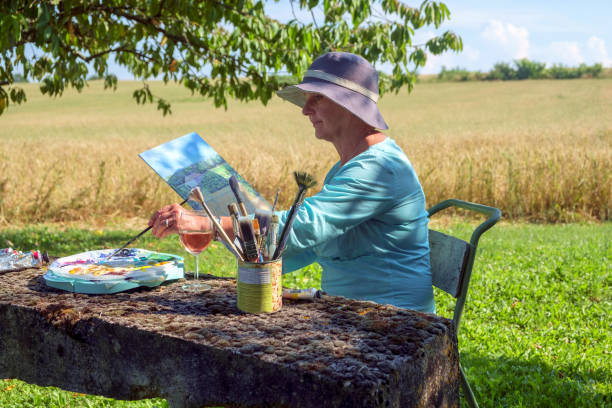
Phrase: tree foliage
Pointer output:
(217, 48)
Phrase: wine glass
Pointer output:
(196, 233)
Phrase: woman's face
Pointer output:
(328, 118)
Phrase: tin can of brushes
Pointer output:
(260, 288)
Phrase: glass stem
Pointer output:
(197, 274)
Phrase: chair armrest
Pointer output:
(494, 214)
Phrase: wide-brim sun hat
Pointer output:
(347, 79)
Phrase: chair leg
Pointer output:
(467, 390)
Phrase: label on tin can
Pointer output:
(254, 276)
(259, 286)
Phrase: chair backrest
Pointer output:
(449, 257)
(452, 259)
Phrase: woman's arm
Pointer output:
(164, 221)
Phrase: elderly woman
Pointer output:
(367, 227)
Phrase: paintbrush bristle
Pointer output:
(248, 236)
(304, 180)
(233, 182)
(247, 229)
(196, 195)
(263, 217)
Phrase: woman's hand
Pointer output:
(164, 221)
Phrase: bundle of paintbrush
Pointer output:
(249, 233)
(258, 237)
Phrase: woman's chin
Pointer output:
(319, 134)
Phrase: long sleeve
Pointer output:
(367, 227)
(345, 201)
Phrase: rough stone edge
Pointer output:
(61, 352)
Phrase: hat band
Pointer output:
(315, 73)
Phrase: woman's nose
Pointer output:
(307, 108)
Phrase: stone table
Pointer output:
(199, 350)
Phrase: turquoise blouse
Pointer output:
(367, 228)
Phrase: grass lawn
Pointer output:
(536, 330)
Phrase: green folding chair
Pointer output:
(452, 260)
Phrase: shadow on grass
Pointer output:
(510, 382)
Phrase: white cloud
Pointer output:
(512, 40)
(597, 51)
(471, 53)
(565, 52)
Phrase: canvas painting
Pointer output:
(188, 161)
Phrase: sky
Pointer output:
(553, 32)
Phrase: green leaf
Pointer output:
(235, 39)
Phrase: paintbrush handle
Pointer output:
(275, 199)
(234, 185)
(129, 242)
(289, 223)
(243, 210)
(221, 231)
(233, 212)
(137, 236)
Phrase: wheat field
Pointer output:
(538, 150)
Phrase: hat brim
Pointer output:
(359, 105)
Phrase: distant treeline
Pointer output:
(521, 69)
(19, 78)
(502, 71)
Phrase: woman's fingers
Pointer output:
(164, 221)
(158, 214)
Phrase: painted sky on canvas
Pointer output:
(177, 154)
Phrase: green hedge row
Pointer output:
(522, 69)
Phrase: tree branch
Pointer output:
(108, 51)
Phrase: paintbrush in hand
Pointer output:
(304, 182)
(137, 236)
(233, 182)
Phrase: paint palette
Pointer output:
(92, 272)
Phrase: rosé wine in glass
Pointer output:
(196, 233)
(195, 242)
